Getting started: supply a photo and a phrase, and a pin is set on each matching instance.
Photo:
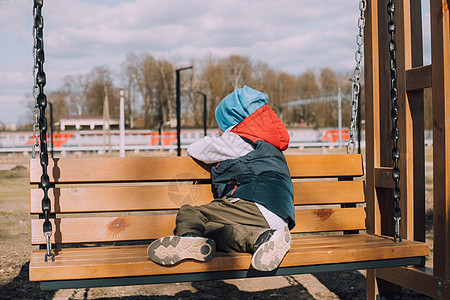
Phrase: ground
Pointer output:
(15, 249)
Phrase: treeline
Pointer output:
(150, 98)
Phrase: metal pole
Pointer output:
(122, 124)
(178, 103)
(204, 114)
(178, 112)
(340, 117)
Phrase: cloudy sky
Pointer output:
(289, 35)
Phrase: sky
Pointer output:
(289, 35)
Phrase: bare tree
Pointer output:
(74, 90)
(97, 82)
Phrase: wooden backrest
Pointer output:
(136, 198)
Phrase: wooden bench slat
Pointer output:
(128, 228)
(82, 254)
(131, 169)
(133, 261)
(79, 253)
(328, 165)
(136, 198)
(78, 256)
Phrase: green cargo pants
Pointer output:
(233, 223)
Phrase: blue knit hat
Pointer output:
(238, 105)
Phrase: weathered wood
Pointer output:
(123, 261)
(133, 169)
(172, 196)
(130, 228)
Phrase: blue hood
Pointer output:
(238, 105)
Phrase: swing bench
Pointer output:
(99, 214)
(105, 211)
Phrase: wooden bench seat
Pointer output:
(107, 210)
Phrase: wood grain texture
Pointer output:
(440, 59)
(133, 169)
(172, 196)
(419, 279)
(130, 228)
(100, 262)
(418, 78)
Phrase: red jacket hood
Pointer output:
(264, 125)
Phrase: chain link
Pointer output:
(356, 86)
(394, 118)
(41, 104)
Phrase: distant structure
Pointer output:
(85, 122)
(8, 127)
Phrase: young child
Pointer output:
(254, 209)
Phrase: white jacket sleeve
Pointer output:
(216, 149)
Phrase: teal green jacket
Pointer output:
(261, 176)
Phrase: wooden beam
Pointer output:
(372, 106)
(417, 74)
(405, 121)
(137, 169)
(418, 78)
(146, 227)
(104, 262)
(440, 59)
(371, 66)
(172, 196)
(383, 178)
(419, 279)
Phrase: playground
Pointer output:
(368, 225)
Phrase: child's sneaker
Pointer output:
(169, 250)
(271, 249)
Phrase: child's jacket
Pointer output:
(248, 162)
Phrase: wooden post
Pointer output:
(440, 57)
(372, 113)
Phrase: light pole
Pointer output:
(122, 124)
(204, 110)
(177, 71)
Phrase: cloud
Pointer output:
(82, 29)
(289, 35)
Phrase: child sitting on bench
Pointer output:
(254, 208)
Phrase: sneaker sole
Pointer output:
(170, 250)
(270, 254)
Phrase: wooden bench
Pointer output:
(107, 210)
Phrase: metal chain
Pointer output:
(356, 86)
(394, 118)
(35, 87)
(41, 102)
